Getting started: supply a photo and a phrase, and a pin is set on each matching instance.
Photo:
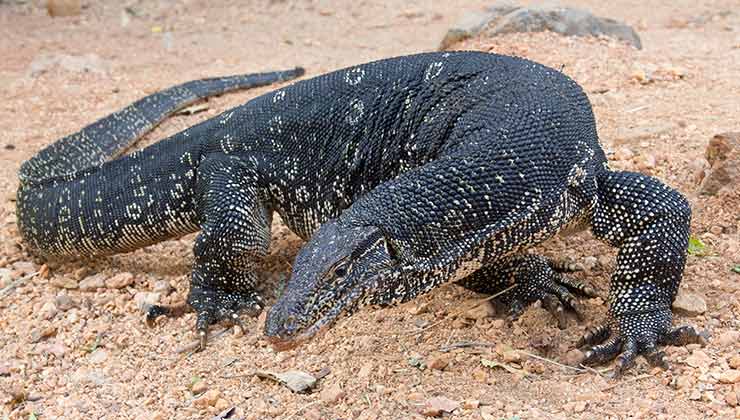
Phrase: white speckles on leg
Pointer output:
(433, 71)
(354, 76)
(133, 211)
(356, 111)
(278, 96)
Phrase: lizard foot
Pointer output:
(626, 336)
(540, 279)
(213, 306)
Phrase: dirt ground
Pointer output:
(72, 353)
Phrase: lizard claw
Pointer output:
(627, 336)
(217, 306)
(555, 290)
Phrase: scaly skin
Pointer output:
(511, 158)
(439, 164)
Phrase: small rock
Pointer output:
(699, 169)
(689, 304)
(162, 287)
(436, 406)
(623, 153)
(698, 359)
(482, 311)
(416, 397)
(418, 309)
(723, 155)
(574, 357)
(312, 413)
(80, 273)
(480, 375)
(64, 282)
(208, 399)
(65, 303)
(365, 371)
(730, 376)
(48, 310)
(729, 338)
(221, 405)
(508, 354)
(331, 394)
(59, 8)
(471, 404)
(56, 348)
(6, 277)
(488, 412)
(39, 334)
(731, 398)
(590, 263)
(98, 356)
(144, 300)
(92, 283)
(199, 387)
(89, 63)
(734, 361)
(119, 281)
(439, 362)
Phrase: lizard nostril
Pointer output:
(289, 325)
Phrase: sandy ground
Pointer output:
(68, 353)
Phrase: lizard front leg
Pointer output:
(235, 235)
(536, 278)
(649, 223)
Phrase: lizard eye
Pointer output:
(340, 271)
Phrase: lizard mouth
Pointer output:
(281, 343)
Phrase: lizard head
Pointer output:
(341, 268)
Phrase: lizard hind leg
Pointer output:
(649, 223)
(235, 235)
(536, 279)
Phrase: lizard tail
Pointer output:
(75, 199)
(110, 136)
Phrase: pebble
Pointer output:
(332, 394)
(689, 304)
(734, 361)
(59, 8)
(41, 333)
(730, 376)
(480, 375)
(436, 406)
(590, 262)
(6, 277)
(623, 153)
(163, 287)
(698, 359)
(64, 282)
(208, 399)
(48, 310)
(573, 357)
(65, 303)
(199, 387)
(471, 404)
(482, 311)
(731, 398)
(221, 404)
(144, 300)
(312, 413)
(728, 338)
(365, 371)
(92, 283)
(508, 354)
(98, 356)
(439, 362)
(119, 281)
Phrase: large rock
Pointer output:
(689, 304)
(723, 155)
(505, 18)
